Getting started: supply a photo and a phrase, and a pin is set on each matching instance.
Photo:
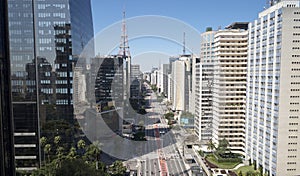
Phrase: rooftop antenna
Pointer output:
(124, 47)
(183, 43)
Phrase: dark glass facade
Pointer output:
(109, 87)
(46, 37)
(7, 163)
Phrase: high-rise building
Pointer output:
(273, 89)
(109, 87)
(135, 72)
(229, 86)
(46, 38)
(135, 82)
(7, 161)
(154, 75)
(192, 84)
(164, 70)
(203, 94)
(180, 80)
(170, 79)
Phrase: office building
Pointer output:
(273, 89)
(180, 80)
(203, 93)
(164, 79)
(135, 72)
(46, 38)
(136, 81)
(109, 87)
(154, 75)
(229, 86)
(192, 84)
(7, 158)
(170, 80)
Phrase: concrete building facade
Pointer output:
(229, 87)
(203, 90)
(273, 90)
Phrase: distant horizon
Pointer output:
(199, 15)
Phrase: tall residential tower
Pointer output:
(204, 77)
(273, 89)
(229, 86)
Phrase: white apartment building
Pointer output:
(154, 76)
(192, 84)
(180, 80)
(163, 78)
(229, 86)
(170, 79)
(273, 90)
(203, 88)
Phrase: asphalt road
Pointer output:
(163, 156)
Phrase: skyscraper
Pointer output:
(204, 78)
(229, 86)
(7, 162)
(46, 38)
(273, 89)
(180, 80)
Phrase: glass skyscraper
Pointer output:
(7, 166)
(46, 38)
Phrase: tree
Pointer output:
(47, 150)
(251, 173)
(72, 153)
(43, 142)
(211, 145)
(57, 140)
(117, 169)
(223, 146)
(93, 152)
(81, 147)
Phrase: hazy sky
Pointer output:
(152, 39)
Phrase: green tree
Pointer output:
(47, 150)
(93, 152)
(251, 173)
(223, 146)
(43, 142)
(57, 140)
(81, 144)
(78, 167)
(72, 153)
(211, 145)
(240, 173)
(117, 169)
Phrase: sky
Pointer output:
(163, 18)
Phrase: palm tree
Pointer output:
(72, 153)
(47, 150)
(211, 145)
(57, 140)
(43, 142)
(81, 146)
(93, 152)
